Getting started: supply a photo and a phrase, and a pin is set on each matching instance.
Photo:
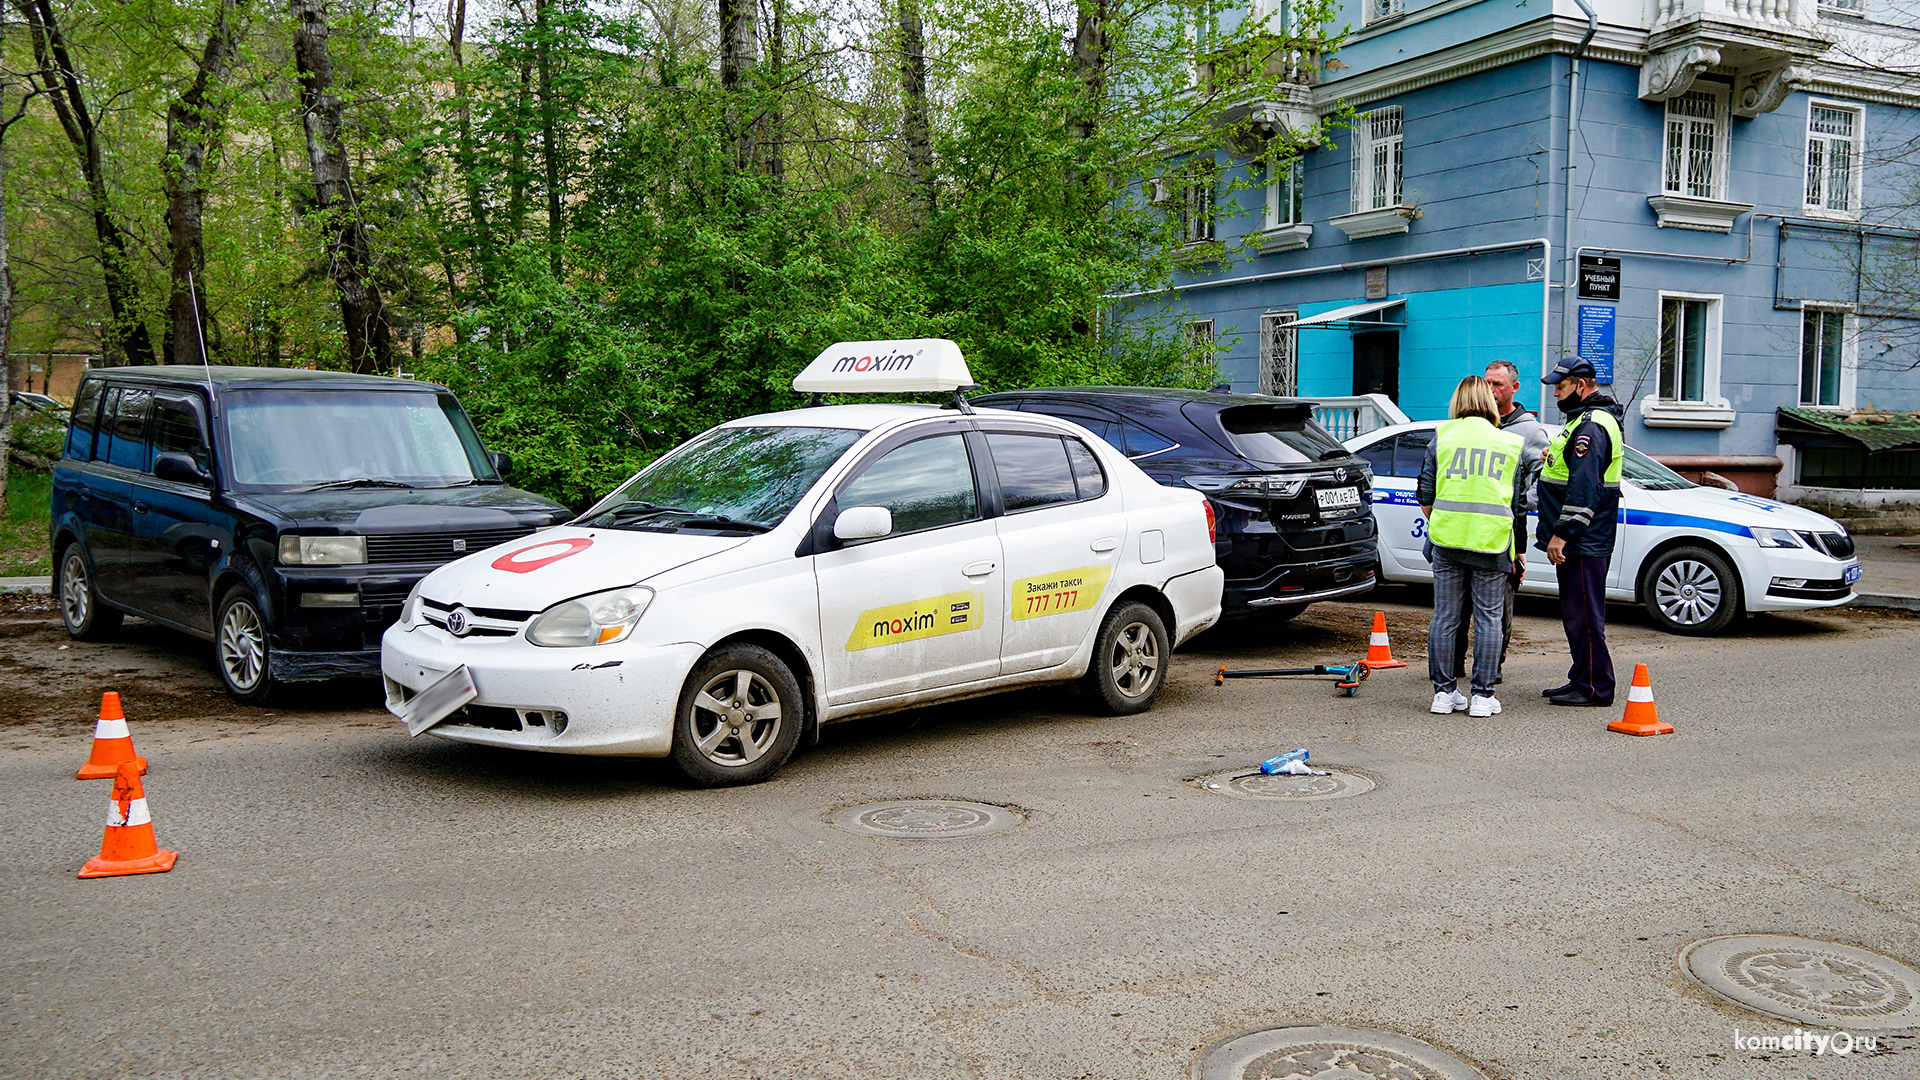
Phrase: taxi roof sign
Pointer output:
(885, 367)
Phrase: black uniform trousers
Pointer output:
(1583, 611)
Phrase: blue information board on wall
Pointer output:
(1596, 339)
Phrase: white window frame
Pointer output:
(1200, 332)
(1817, 191)
(1379, 159)
(1199, 208)
(1710, 410)
(1849, 358)
(1279, 354)
(1286, 193)
(1855, 8)
(1678, 173)
(1380, 10)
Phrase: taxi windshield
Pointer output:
(730, 479)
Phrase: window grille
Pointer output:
(1377, 161)
(1833, 158)
(1279, 354)
(1696, 143)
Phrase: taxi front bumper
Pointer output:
(611, 700)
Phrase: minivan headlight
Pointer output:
(1775, 538)
(596, 619)
(322, 550)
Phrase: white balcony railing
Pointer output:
(1345, 417)
(1780, 14)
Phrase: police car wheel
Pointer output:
(739, 717)
(1691, 590)
(85, 617)
(1130, 659)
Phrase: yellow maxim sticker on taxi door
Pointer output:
(1059, 592)
(917, 620)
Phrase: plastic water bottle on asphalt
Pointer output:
(1276, 765)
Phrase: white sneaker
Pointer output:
(1447, 702)
(1484, 706)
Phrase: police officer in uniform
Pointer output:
(1470, 489)
(1579, 514)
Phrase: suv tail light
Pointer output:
(1207, 504)
(1283, 487)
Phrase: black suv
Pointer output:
(1294, 508)
(282, 514)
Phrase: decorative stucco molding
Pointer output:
(1382, 222)
(1689, 212)
(1764, 90)
(1670, 73)
(1685, 414)
(1284, 238)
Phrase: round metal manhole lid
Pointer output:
(925, 819)
(1329, 1051)
(1804, 979)
(1337, 784)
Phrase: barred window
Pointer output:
(1196, 202)
(1833, 158)
(1696, 145)
(1377, 162)
(1279, 353)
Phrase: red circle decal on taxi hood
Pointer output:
(534, 556)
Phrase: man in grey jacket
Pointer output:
(1504, 380)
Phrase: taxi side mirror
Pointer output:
(863, 523)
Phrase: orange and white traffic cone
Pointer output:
(1379, 652)
(112, 745)
(1641, 718)
(128, 847)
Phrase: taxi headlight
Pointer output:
(597, 619)
(1775, 538)
(322, 550)
(410, 611)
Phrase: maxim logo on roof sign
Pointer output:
(884, 362)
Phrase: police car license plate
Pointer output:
(439, 700)
(1336, 498)
(1853, 574)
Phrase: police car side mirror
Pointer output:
(863, 523)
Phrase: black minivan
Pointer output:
(1293, 508)
(282, 514)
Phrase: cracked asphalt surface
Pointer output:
(350, 902)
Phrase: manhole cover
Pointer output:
(1329, 1052)
(1815, 982)
(1244, 784)
(925, 818)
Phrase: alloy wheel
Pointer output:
(243, 645)
(76, 593)
(1136, 660)
(736, 718)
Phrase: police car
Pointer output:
(792, 569)
(1694, 556)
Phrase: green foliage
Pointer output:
(23, 528)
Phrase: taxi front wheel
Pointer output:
(739, 717)
(1129, 660)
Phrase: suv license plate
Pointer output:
(1336, 498)
(1853, 574)
(439, 700)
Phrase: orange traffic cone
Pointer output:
(1379, 652)
(112, 745)
(1641, 717)
(128, 847)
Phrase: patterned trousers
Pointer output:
(1457, 588)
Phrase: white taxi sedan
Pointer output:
(792, 569)
(1695, 557)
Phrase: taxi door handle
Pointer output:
(977, 569)
(1106, 544)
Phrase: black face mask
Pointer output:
(1568, 405)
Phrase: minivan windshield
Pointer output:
(731, 478)
(1649, 474)
(304, 440)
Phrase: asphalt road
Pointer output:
(353, 903)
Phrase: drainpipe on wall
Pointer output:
(1570, 278)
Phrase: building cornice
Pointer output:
(1559, 35)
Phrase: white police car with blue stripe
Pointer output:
(1695, 557)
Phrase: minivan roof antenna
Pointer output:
(206, 370)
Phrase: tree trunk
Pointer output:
(6, 331)
(349, 260)
(916, 127)
(193, 124)
(1092, 53)
(739, 55)
(549, 134)
(125, 338)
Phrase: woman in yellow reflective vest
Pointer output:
(1471, 490)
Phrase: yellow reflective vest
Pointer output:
(1475, 464)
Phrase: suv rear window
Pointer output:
(1278, 434)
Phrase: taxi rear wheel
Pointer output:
(1691, 590)
(1129, 660)
(739, 717)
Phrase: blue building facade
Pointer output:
(1716, 175)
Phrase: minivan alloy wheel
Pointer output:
(243, 645)
(76, 598)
